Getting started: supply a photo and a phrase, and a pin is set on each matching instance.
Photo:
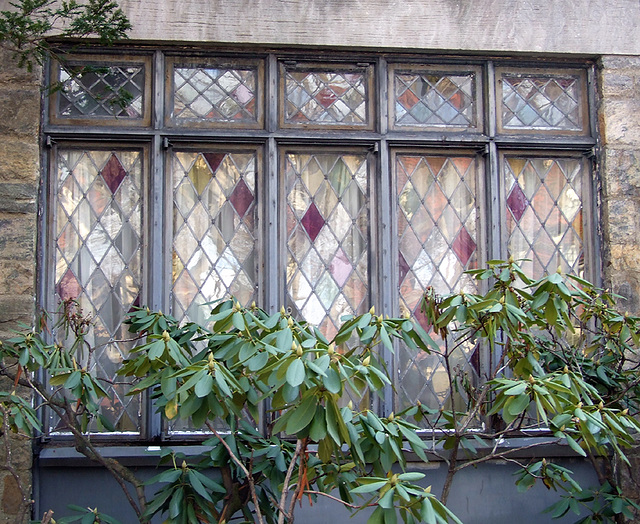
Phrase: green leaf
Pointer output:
(204, 386)
(296, 373)
(332, 381)
(302, 415)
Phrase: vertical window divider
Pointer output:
(387, 229)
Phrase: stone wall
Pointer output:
(619, 115)
(19, 176)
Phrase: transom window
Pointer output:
(329, 186)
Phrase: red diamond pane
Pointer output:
(403, 268)
(312, 222)
(464, 246)
(517, 202)
(113, 173)
(69, 287)
(214, 160)
(241, 198)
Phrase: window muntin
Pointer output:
(98, 91)
(215, 93)
(98, 234)
(440, 98)
(332, 216)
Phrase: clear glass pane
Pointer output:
(101, 91)
(544, 102)
(326, 97)
(434, 99)
(214, 94)
(96, 259)
(214, 237)
(544, 213)
(437, 241)
(327, 271)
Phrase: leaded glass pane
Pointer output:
(102, 91)
(98, 239)
(214, 94)
(437, 242)
(214, 236)
(544, 213)
(327, 237)
(326, 97)
(434, 99)
(542, 101)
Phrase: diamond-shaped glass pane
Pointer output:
(214, 232)
(94, 91)
(544, 213)
(327, 272)
(96, 257)
(433, 99)
(437, 227)
(326, 97)
(214, 94)
(542, 102)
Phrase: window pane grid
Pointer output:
(98, 219)
(214, 230)
(323, 196)
(437, 243)
(433, 99)
(101, 91)
(214, 94)
(327, 236)
(544, 213)
(326, 98)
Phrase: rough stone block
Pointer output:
(621, 218)
(18, 198)
(618, 85)
(620, 123)
(17, 241)
(17, 277)
(621, 173)
(20, 160)
(616, 62)
(15, 309)
(19, 111)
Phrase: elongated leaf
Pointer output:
(302, 415)
(296, 373)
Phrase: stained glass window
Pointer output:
(437, 242)
(214, 221)
(542, 101)
(98, 259)
(544, 213)
(329, 184)
(327, 97)
(101, 92)
(215, 94)
(327, 236)
(435, 99)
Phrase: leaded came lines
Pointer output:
(98, 239)
(214, 223)
(327, 236)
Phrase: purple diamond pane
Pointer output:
(113, 173)
(312, 222)
(464, 246)
(241, 198)
(517, 202)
